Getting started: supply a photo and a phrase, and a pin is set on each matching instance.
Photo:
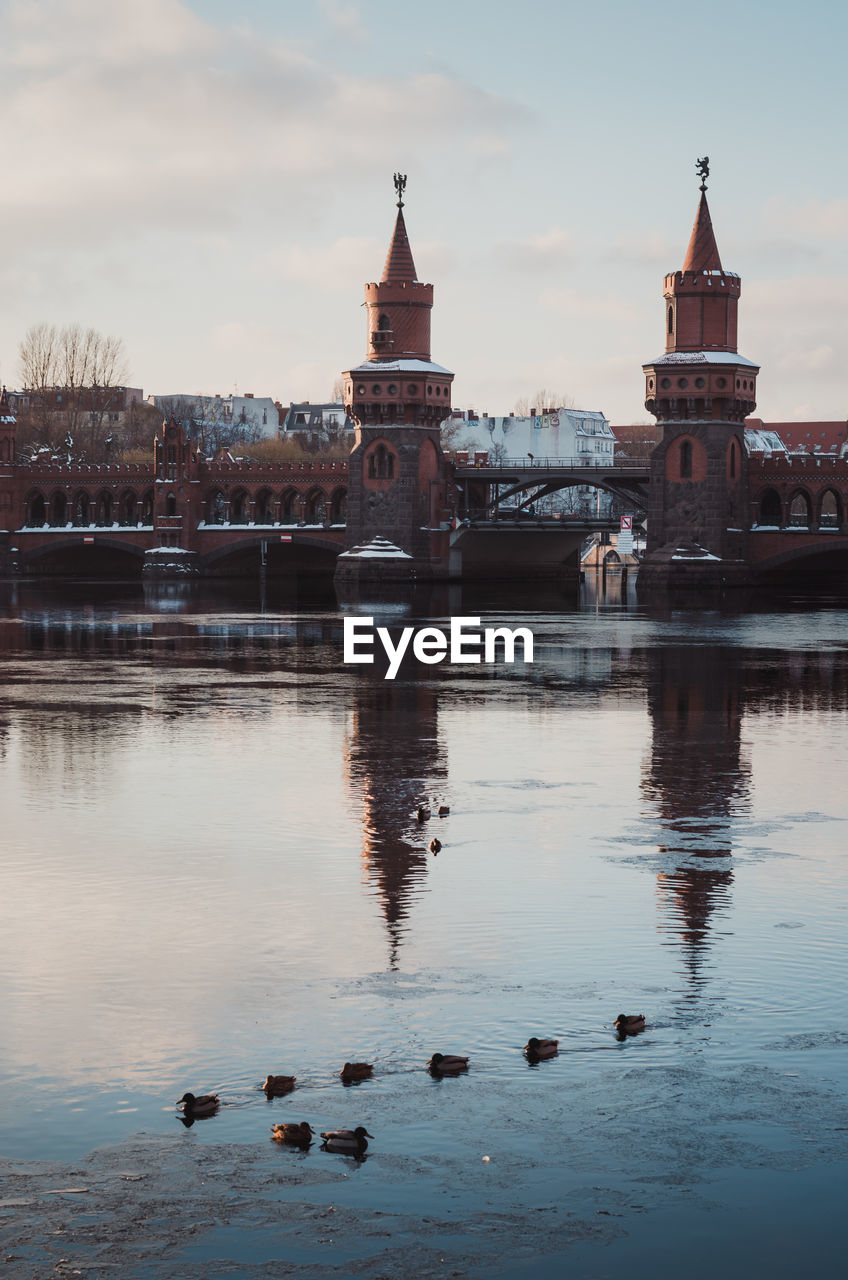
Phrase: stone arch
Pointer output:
(239, 507)
(316, 507)
(800, 510)
(289, 511)
(81, 512)
(216, 507)
(58, 508)
(771, 508)
(263, 507)
(36, 509)
(338, 506)
(103, 507)
(830, 510)
(128, 507)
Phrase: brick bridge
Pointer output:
(226, 517)
(212, 515)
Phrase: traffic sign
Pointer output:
(627, 522)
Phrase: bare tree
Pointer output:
(543, 402)
(74, 378)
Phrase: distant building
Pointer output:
(105, 404)
(238, 417)
(316, 419)
(582, 434)
(805, 437)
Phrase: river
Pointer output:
(212, 869)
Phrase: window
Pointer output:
(686, 460)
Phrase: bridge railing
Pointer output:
(527, 461)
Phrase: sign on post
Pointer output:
(625, 536)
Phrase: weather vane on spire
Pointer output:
(400, 187)
(703, 167)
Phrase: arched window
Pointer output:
(671, 319)
(381, 464)
(36, 510)
(288, 508)
(171, 505)
(82, 509)
(129, 509)
(238, 507)
(830, 515)
(216, 507)
(104, 508)
(147, 508)
(338, 508)
(263, 507)
(771, 511)
(686, 460)
(59, 509)
(384, 324)
(316, 507)
(799, 512)
(733, 459)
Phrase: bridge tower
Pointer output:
(700, 390)
(398, 398)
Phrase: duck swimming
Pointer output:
(423, 813)
(297, 1135)
(443, 1064)
(628, 1024)
(435, 846)
(352, 1072)
(206, 1105)
(352, 1142)
(276, 1086)
(536, 1049)
(444, 810)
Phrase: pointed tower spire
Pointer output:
(702, 254)
(399, 264)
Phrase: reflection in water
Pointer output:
(699, 781)
(396, 764)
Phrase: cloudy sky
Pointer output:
(212, 181)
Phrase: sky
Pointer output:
(212, 182)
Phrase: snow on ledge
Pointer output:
(378, 548)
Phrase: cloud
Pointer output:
(574, 302)
(121, 117)
(811, 219)
(550, 249)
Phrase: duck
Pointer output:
(423, 813)
(536, 1048)
(206, 1105)
(352, 1072)
(628, 1024)
(444, 810)
(299, 1135)
(435, 846)
(276, 1086)
(442, 1064)
(347, 1141)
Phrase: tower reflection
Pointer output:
(395, 765)
(698, 782)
